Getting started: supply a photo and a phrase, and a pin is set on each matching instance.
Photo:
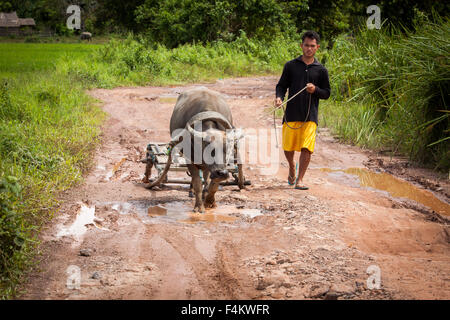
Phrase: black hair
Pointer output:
(311, 35)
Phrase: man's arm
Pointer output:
(323, 91)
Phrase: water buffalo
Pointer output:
(86, 36)
(204, 120)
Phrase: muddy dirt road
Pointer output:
(266, 242)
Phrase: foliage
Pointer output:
(177, 22)
(138, 61)
(404, 77)
(48, 130)
(174, 22)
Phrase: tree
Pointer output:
(6, 6)
(175, 22)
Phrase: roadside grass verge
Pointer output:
(352, 122)
(48, 131)
(390, 91)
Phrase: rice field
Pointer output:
(20, 58)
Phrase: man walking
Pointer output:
(301, 117)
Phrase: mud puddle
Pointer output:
(179, 211)
(85, 217)
(361, 177)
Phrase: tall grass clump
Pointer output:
(401, 80)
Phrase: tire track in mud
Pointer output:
(226, 276)
(201, 268)
(214, 274)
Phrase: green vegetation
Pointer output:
(136, 61)
(391, 91)
(173, 23)
(48, 130)
(17, 59)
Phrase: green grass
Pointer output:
(48, 131)
(96, 39)
(135, 61)
(20, 58)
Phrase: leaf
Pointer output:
(19, 241)
(439, 141)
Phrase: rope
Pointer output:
(307, 115)
(284, 111)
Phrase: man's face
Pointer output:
(309, 47)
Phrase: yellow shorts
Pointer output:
(296, 139)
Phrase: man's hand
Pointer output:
(278, 102)
(310, 87)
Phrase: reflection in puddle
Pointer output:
(207, 217)
(182, 212)
(122, 208)
(395, 187)
(113, 171)
(86, 216)
(157, 211)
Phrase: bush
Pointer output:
(14, 231)
(173, 22)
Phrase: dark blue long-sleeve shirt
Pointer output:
(296, 74)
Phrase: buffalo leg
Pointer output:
(148, 171)
(206, 182)
(191, 191)
(197, 185)
(210, 201)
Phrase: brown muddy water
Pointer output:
(182, 212)
(395, 187)
(179, 211)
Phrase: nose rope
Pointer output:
(284, 113)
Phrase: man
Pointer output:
(301, 117)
